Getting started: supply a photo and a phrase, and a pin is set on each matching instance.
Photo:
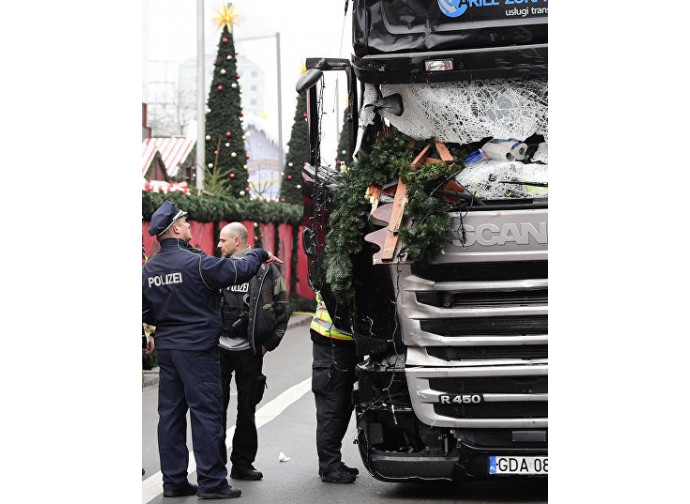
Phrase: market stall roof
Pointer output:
(173, 153)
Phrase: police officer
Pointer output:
(255, 316)
(333, 375)
(180, 296)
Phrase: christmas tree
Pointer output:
(225, 155)
(298, 154)
(343, 142)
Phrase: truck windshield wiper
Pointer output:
(519, 182)
(465, 196)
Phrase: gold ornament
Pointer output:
(227, 17)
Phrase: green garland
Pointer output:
(389, 159)
(217, 208)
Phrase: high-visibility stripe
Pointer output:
(323, 324)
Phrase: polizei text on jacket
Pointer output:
(167, 279)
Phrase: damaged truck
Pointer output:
(429, 244)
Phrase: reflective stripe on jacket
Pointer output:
(323, 325)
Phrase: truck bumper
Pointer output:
(465, 464)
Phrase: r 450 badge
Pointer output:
(460, 398)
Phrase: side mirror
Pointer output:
(308, 241)
(392, 104)
(307, 80)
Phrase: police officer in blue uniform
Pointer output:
(181, 297)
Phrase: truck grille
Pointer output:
(489, 352)
(475, 321)
(489, 385)
(482, 271)
(512, 396)
(490, 298)
(493, 410)
(501, 326)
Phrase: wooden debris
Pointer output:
(373, 194)
(387, 238)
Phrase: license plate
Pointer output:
(518, 465)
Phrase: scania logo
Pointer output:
(489, 234)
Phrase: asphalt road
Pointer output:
(287, 420)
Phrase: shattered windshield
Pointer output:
(505, 120)
(491, 179)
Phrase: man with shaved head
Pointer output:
(255, 315)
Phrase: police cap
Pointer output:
(162, 219)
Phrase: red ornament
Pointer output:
(246, 189)
(215, 152)
(228, 134)
(214, 62)
(247, 156)
(289, 177)
(238, 76)
(282, 199)
(225, 39)
(220, 87)
(304, 115)
(232, 175)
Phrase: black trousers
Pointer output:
(190, 380)
(248, 379)
(333, 374)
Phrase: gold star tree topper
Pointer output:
(227, 17)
